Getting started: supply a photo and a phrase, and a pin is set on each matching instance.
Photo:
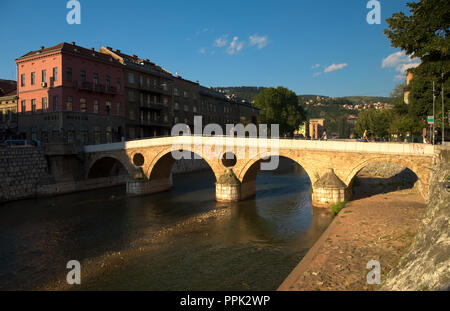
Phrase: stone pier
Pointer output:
(329, 190)
(228, 187)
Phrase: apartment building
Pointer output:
(8, 107)
(148, 95)
(70, 94)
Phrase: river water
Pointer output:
(177, 240)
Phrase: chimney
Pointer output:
(73, 42)
(42, 47)
(92, 49)
(117, 51)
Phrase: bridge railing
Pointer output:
(330, 145)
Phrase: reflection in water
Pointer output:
(252, 244)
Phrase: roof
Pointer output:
(70, 48)
(134, 59)
(7, 86)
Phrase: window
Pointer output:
(95, 78)
(148, 82)
(69, 102)
(165, 101)
(69, 74)
(55, 74)
(22, 80)
(176, 106)
(23, 106)
(55, 103)
(44, 104)
(175, 91)
(83, 104)
(108, 107)
(118, 83)
(108, 81)
(177, 119)
(131, 96)
(33, 105)
(165, 87)
(141, 81)
(186, 108)
(44, 76)
(194, 108)
(186, 94)
(33, 78)
(118, 109)
(83, 76)
(95, 105)
(155, 83)
(131, 77)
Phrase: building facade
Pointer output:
(70, 94)
(8, 108)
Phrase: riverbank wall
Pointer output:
(29, 173)
(21, 170)
(426, 264)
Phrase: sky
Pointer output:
(323, 47)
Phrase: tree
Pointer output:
(424, 34)
(376, 122)
(343, 127)
(280, 106)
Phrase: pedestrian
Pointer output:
(365, 138)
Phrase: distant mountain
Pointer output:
(244, 92)
(249, 93)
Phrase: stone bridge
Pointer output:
(331, 165)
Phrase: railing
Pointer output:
(291, 144)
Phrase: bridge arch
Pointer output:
(161, 165)
(103, 165)
(251, 168)
(421, 173)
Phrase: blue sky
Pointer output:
(225, 43)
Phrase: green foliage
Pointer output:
(337, 207)
(376, 122)
(280, 106)
(343, 127)
(424, 33)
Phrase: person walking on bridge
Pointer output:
(365, 138)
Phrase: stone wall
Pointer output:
(21, 170)
(426, 265)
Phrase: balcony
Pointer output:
(87, 86)
(111, 89)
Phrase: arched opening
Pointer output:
(200, 173)
(383, 177)
(107, 167)
(281, 204)
(289, 174)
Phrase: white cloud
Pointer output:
(335, 67)
(401, 62)
(202, 51)
(235, 46)
(315, 66)
(316, 74)
(259, 41)
(221, 41)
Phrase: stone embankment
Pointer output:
(21, 170)
(426, 264)
(386, 221)
(25, 173)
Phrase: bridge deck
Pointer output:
(342, 146)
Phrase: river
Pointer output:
(177, 240)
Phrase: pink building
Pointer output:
(70, 94)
